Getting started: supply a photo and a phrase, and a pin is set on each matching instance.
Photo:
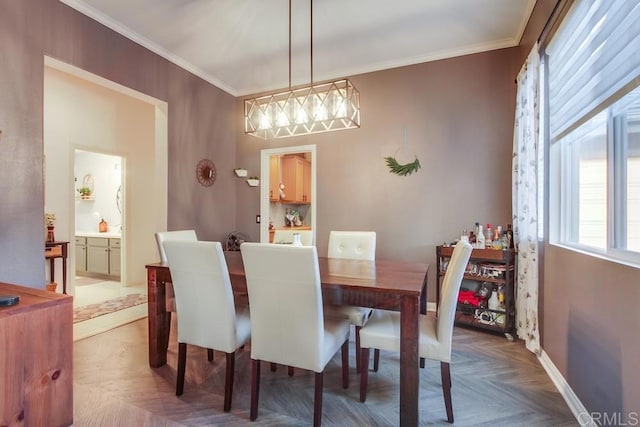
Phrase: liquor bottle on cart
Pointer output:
(480, 240)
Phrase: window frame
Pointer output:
(564, 203)
(617, 83)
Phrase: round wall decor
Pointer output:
(206, 172)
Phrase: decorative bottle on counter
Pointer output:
(296, 239)
(102, 226)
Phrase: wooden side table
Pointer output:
(53, 250)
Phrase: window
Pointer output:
(630, 170)
(587, 191)
(592, 76)
(584, 204)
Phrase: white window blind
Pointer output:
(593, 60)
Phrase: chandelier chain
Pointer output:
(328, 106)
(311, 38)
(289, 44)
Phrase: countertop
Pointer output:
(301, 227)
(108, 234)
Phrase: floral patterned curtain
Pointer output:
(525, 199)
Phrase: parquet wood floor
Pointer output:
(494, 383)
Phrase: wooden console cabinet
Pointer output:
(36, 348)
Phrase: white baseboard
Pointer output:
(575, 405)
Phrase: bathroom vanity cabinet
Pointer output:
(98, 255)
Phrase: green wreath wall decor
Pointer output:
(402, 170)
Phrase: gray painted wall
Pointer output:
(459, 118)
(201, 125)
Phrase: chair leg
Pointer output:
(210, 354)
(364, 374)
(228, 382)
(273, 367)
(345, 364)
(446, 389)
(290, 371)
(358, 349)
(182, 363)
(317, 401)
(376, 359)
(255, 388)
(168, 329)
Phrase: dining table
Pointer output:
(382, 284)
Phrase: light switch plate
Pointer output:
(257, 219)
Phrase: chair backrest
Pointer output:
(181, 235)
(286, 236)
(449, 296)
(352, 245)
(204, 298)
(285, 299)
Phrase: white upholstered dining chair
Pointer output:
(382, 331)
(207, 314)
(162, 236)
(170, 299)
(180, 235)
(352, 245)
(286, 236)
(288, 326)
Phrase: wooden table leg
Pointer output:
(423, 307)
(52, 269)
(157, 318)
(64, 277)
(64, 269)
(409, 374)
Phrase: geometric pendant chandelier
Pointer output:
(320, 108)
(315, 108)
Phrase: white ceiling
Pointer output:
(241, 46)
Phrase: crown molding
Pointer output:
(144, 42)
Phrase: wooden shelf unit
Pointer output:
(470, 315)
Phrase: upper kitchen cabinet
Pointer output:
(274, 178)
(296, 177)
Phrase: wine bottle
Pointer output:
(509, 234)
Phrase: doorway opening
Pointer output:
(283, 198)
(99, 224)
(86, 115)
